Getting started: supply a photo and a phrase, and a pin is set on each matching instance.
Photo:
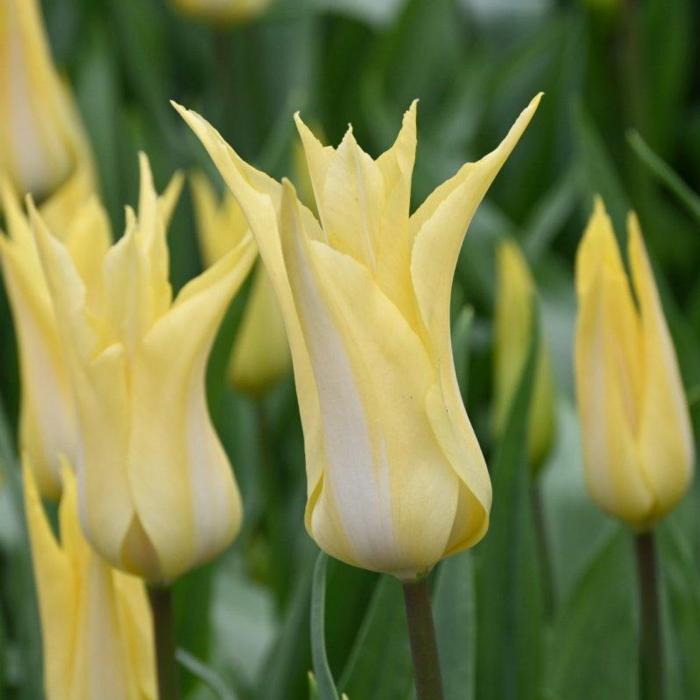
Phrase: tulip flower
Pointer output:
(48, 421)
(396, 478)
(637, 439)
(260, 353)
(95, 621)
(157, 494)
(222, 11)
(514, 316)
(43, 149)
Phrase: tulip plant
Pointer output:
(295, 435)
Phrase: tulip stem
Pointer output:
(421, 631)
(651, 675)
(160, 598)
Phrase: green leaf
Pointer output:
(205, 674)
(322, 672)
(664, 173)
(454, 606)
(380, 664)
(510, 626)
(593, 650)
(461, 336)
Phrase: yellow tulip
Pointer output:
(515, 308)
(157, 493)
(637, 440)
(48, 421)
(43, 149)
(396, 478)
(95, 621)
(222, 11)
(261, 352)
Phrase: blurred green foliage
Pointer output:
(606, 67)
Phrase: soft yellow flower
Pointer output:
(95, 621)
(637, 440)
(48, 421)
(48, 426)
(222, 11)
(396, 478)
(157, 494)
(260, 355)
(513, 319)
(43, 149)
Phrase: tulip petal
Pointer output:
(259, 196)
(188, 474)
(665, 435)
(372, 374)
(56, 588)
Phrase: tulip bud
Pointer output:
(514, 316)
(95, 621)
(260, 355)
(222, 11)
(157, 494)
(42, 145)
(637, 440)
(396, 478)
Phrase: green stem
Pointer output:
(548, 594)
(421, 631)
(164, 642)
(651, 667)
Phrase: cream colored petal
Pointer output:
(392, 490)
(260, 197)
(261, 351)
(665, 438)
(183, 487)
(56, 586)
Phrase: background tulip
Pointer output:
(42, 146)
(95, 621)
(157, 494)
(222, 11)
(260, 355)
(637, 439)
(396, 478)
(513, 318)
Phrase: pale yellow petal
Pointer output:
(666, 449)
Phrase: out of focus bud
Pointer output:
(261, 352)
(513, 326)
(222, 11)
(42, 146)
(637, 440)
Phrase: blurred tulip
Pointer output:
(43, 149)
(261, 352)
(514, 316)
(95, 621)
(157, 494)
(48, 425)
(222, 11)
(396, 478)
(637, 439)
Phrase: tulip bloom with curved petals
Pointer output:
(48, 421)
(222, 11)
(260, 355)
(513, 319)
(637, 440)
(157, 493)
(43, 148)
(95, 621)
(396, 478)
